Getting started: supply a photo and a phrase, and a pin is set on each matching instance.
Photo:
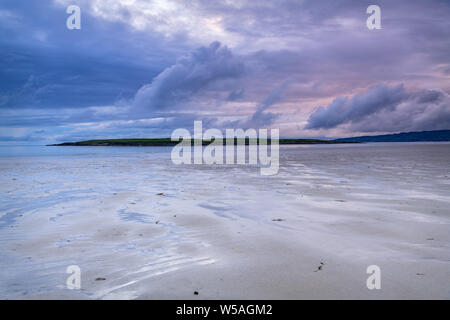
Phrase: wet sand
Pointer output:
(154, 230)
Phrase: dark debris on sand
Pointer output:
(320, 267)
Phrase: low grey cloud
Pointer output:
(386, 109)
(262, 118)
(201, 69)
(236, 95)
(344, 109)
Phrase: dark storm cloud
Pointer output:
(45, 65)
(386, 109)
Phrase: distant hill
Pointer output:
(169, 142)
(437, 135)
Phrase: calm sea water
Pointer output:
(53, 151)
(31, 175)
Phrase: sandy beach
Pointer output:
(140, 227)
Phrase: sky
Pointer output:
(143, 68)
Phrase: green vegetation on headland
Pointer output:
(437, 135)
(169, 142)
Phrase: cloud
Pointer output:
(236, 94)
(344, 110)
(72, 69)
(386, 109)
(192, 74)
(125, 58)
(262, 118)
(170, 18)
(421, 111)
